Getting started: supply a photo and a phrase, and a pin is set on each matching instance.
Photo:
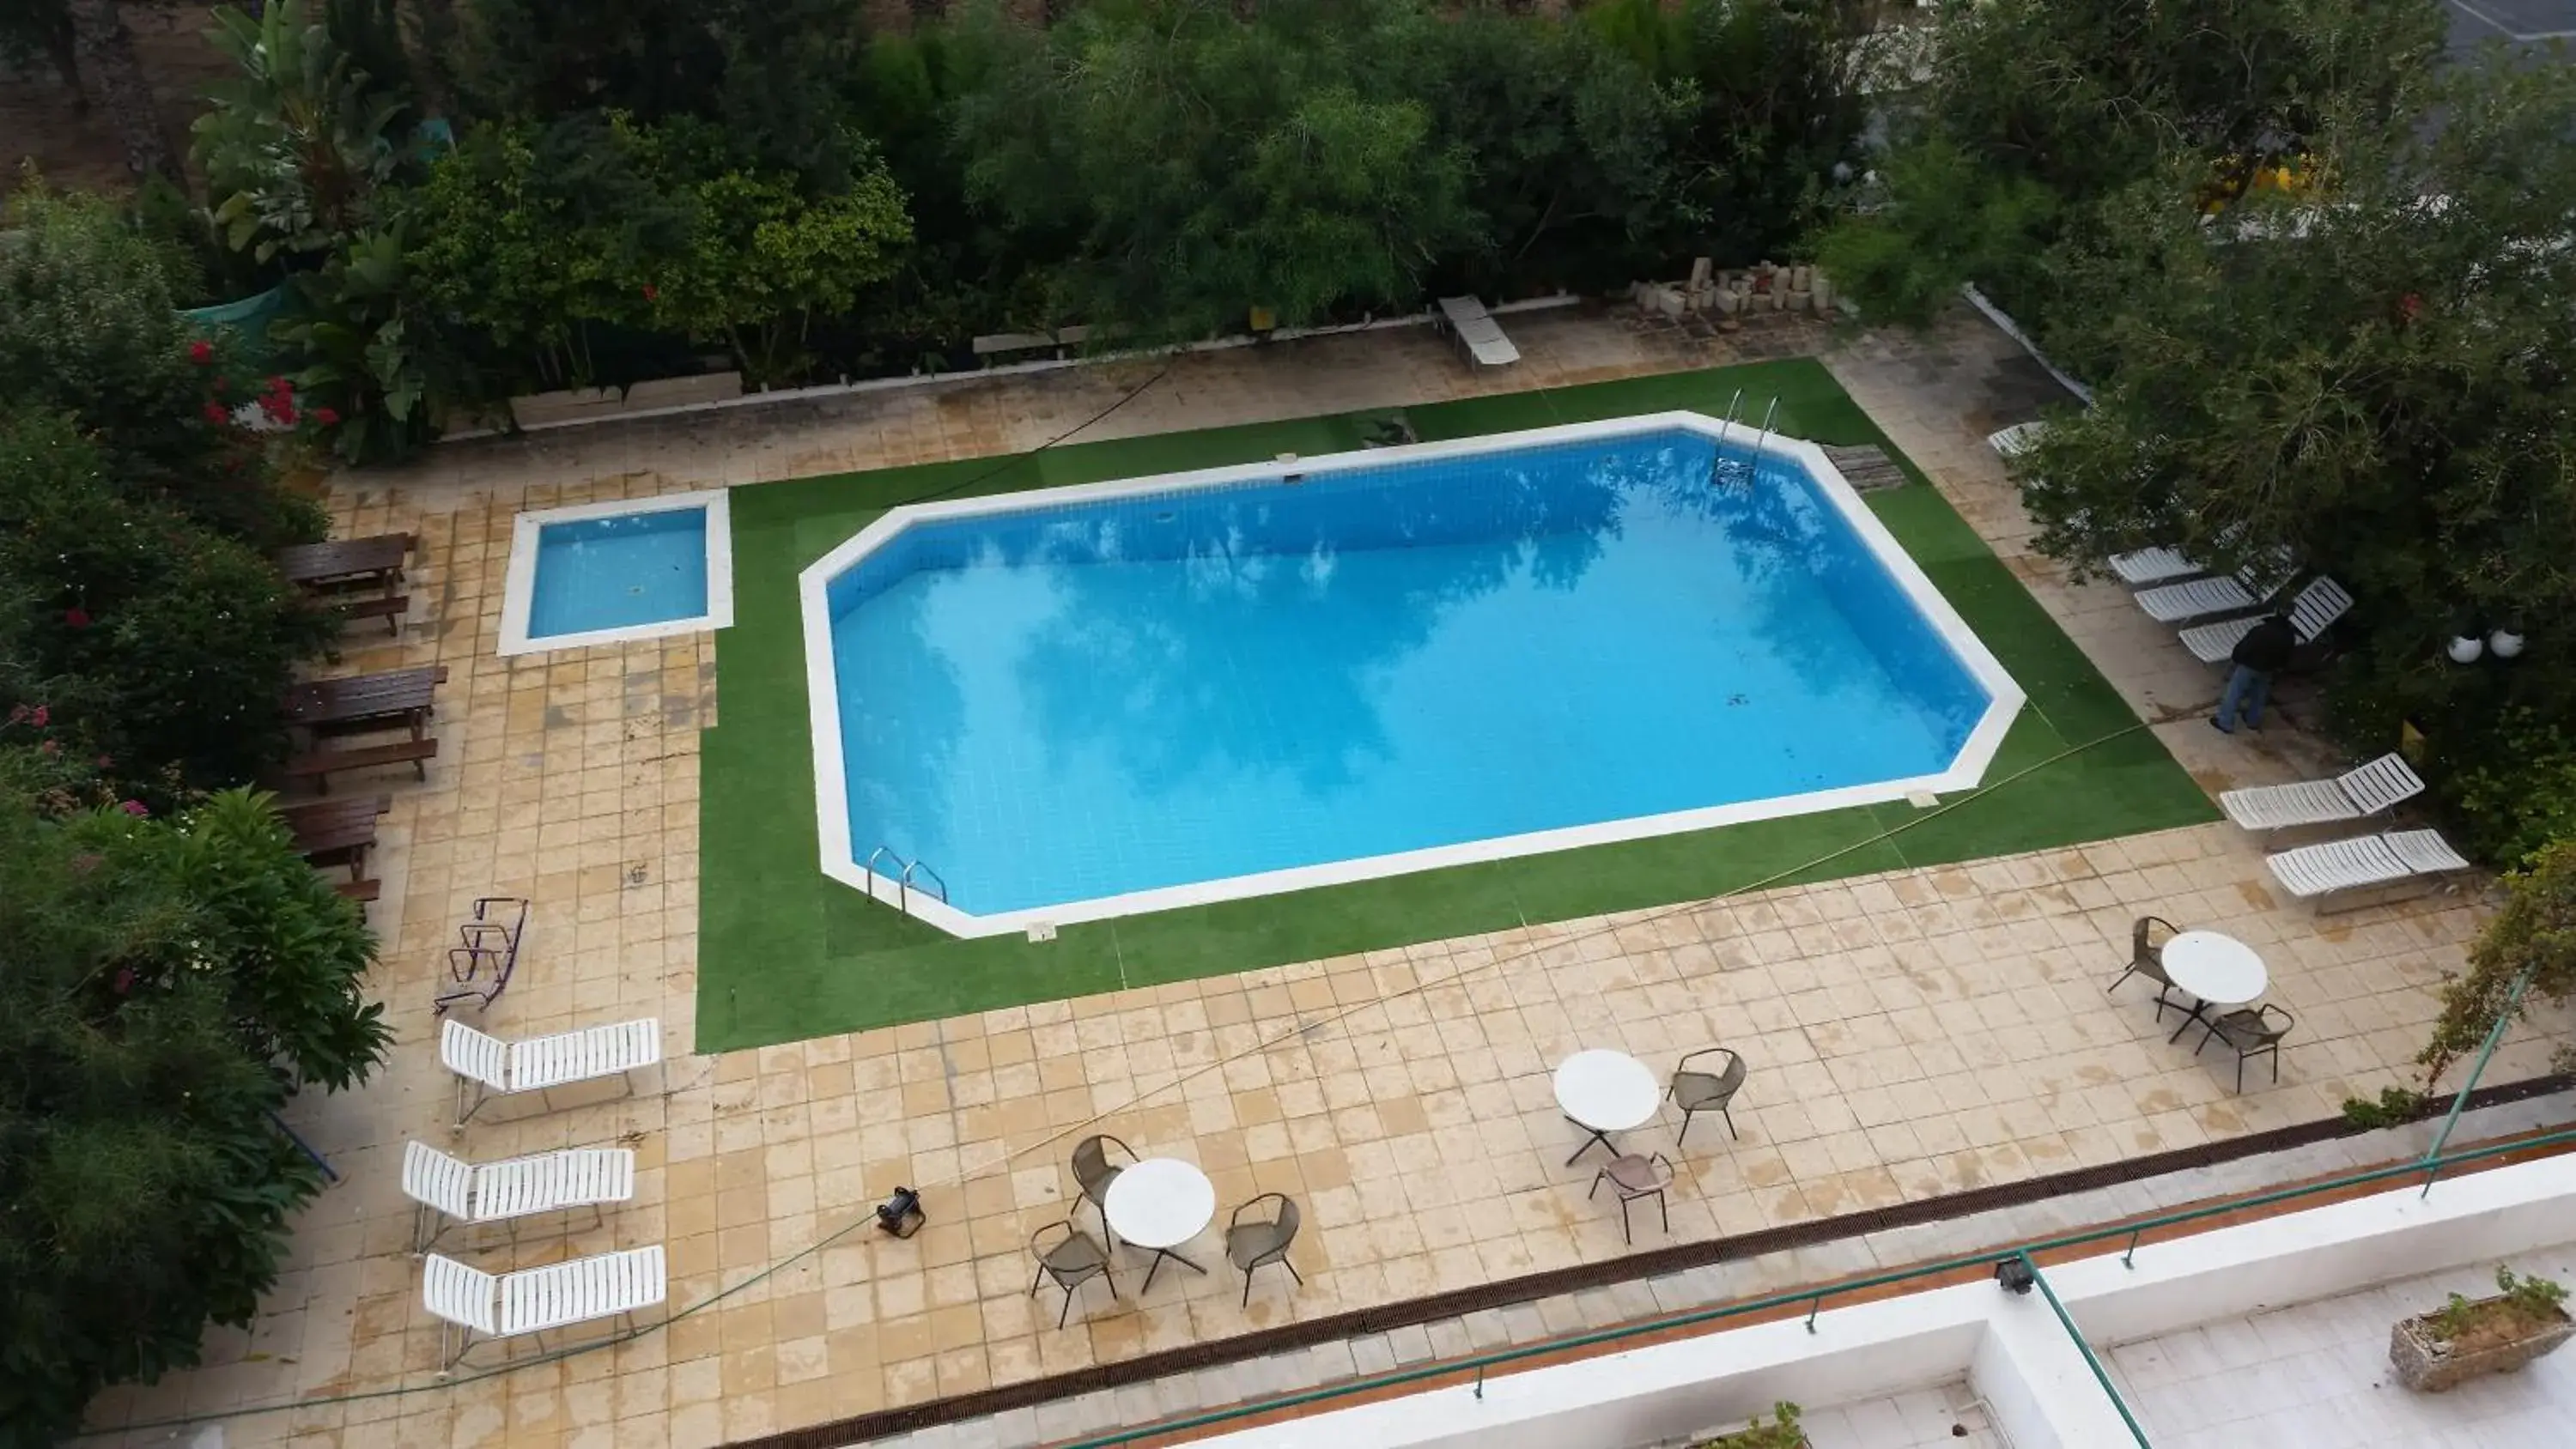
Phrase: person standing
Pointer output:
(2258, 656)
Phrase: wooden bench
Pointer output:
(320, 765)
(361, 891)
(388, 607)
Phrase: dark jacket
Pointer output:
(2267, 646)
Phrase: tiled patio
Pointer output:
(1910, 1034)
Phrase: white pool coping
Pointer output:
(831, 795)
(519, 589)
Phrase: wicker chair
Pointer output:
(2255, 1033)
(1696, 1091)
(1071, 1260)
(1633, 1177)
(1093, 1172)
(2147, 958)
(1249, 1245)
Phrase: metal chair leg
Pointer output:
(1729, 1114)
(1065, 1312)
(1664, 1205)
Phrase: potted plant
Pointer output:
(2469, 1337)
(1780, 1432)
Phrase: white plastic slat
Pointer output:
(2215, 643)
(2425, 852)
(2381, 784)
(471, 1054)
(2317, 608)
(431, 1176)
(2152, 566)
(460, 1294)
(2337, 865)
(2277, 807)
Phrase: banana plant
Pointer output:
(295, 144)
(365, 381)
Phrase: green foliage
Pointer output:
(2525, 1297)
(365, 380)
(1936, 217)
(2083, 102)
(170, 982)
(1202, 166)
(1781, 1431)
(2396, 1107)
(2514, 790)
(2377, 384)
(533, 235)
(156, 644)
(2535, 936)
(87, 330)
(295, 145)
(1578, 174)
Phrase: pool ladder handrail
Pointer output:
(903, 883)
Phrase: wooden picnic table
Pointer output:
(365, 701)
(346, 563)
(336, 832)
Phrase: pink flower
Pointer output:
(325, 417)
(201, 352)
(652, 293)
(124, 980)
(135, 808)
(215, 413)
(104, 761)
(43, 716)
(75, 617)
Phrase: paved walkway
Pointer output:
(1910, 1034)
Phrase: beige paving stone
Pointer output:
(1909, 1034)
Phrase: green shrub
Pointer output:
(171, 981)
(156, 643)
(2517, 790)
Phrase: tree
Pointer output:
(103, 53)
(295, 145)
(1205, 166)
(2377, 377)
(88, 330)
(537, 234)
(2530, 944)
(170, 985)
(156, 644)
(2044, 110)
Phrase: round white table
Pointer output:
(1603, 1092)
(2215, 969)
(1160, 1203)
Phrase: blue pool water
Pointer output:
(615, 573)
(1083, 700)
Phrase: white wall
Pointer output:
(2011, 1350)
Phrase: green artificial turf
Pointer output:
(785, 953)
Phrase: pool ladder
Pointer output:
(1723, 470)
(902, 878)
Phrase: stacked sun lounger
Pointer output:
(1479, 336)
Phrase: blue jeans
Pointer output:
(2248, 690)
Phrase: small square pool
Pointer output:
(606, 573)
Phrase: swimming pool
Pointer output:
(1092, 701)
(607, 572)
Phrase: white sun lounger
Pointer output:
(2250, 587)
(2012, 440)
(537, 1300)
(2314, 871)
(2146, 566)
(2313, 612)
(487, 1066)
(520, 1187)
(1478, 332)
(2352, 795)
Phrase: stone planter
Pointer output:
(2429, 1365)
